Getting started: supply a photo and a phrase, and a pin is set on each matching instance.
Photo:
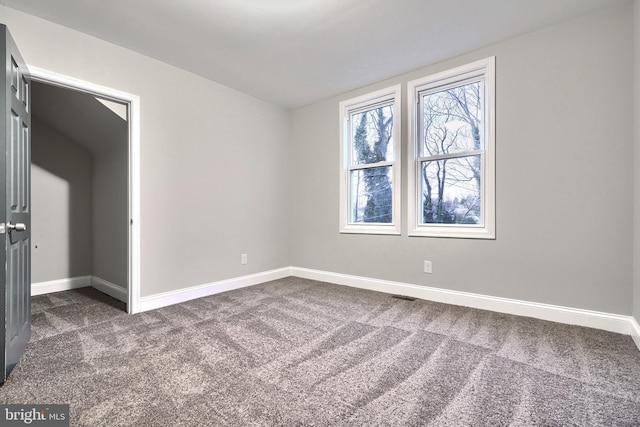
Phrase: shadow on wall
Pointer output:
(61, 205)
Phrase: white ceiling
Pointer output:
(295, 52)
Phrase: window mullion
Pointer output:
(371, 165)
(451, 156)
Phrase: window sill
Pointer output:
(371, 229)
(453, 232)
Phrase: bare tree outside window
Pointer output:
(370, 174)
(451, 155)
(371, 187)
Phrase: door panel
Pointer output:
(15, 206)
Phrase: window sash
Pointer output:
(354, 202)
(437, 87)
(481, 214)
(350, 164)
(353, 161)
(482, 72)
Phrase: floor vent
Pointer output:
(403, 297)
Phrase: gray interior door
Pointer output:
(15, 205)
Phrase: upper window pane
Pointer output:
(372, 136)
(452, 120)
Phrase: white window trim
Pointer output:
(485, 67)
(346, 107)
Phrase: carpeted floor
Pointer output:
(295, 352)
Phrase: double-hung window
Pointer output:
(370, 166)
(452, 153)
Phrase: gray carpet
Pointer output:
(295, 352)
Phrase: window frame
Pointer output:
(390, 95)
(465, 74)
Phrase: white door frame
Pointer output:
(133, 102)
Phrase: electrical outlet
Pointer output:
(428, 267)
(244, 259)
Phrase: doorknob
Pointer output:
(17, 227)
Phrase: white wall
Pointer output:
(636, 193)
(564, 178)
(214, 161)
(224, 173)
(61, 203)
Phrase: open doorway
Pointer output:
(84, 188)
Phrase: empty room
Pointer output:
(329, 213)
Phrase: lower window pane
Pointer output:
(371, 195)
(451, 191)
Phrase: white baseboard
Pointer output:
(567, 315)
(102, 285)
(60, 285)
(635, 332)
(174, 297)
(111, 289)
